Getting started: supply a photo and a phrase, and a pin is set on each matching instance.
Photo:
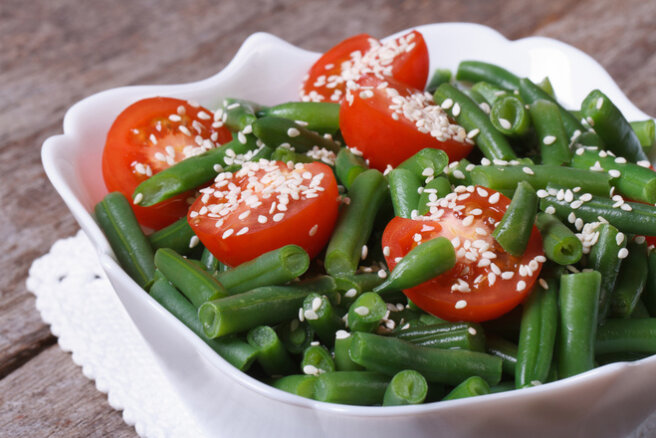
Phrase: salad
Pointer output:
(380, 242)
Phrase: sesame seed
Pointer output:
(137, 198)
(364, 252)
(639, 239)
(550, 210)
(361, 310)
(571, 218)
(476, 212)
(448, 103)
(242, 231)
(382, 273)
(458, 174)
(467, 221)
(456, 110)
(505, 124)
(619, 238)
(310, 315)
(301, 314)
(193, 242)
(175, 118)
(622, 253)
(313, 230)
(417, 237)
(184, 130)
(528, 170)
(599, 103)
(491, 278)
(507, 275)
(543, 283)
(342, 334)
(494, 198)
(278, 217)
(614, 173)
(293, 132)
(386, 251)
(521, 285)
(461, 304)
(473, 133)
(311, 370)
(227, 233)
(549, 139)
(350, 293)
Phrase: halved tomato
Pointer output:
(486, 281)
(389, 122)
(150, 136)
(264, 206)
(404, 59)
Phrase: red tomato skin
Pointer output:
(124, 147)
(436, 297)
(294, 229)
(411, 68)
(367, 125)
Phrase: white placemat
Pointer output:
(75, 298)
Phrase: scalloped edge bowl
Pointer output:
(608, 401)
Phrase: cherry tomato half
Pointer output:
(264, 206)
(150, 136)
(404, 59)
(486, 282)
(389, 122)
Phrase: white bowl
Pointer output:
(608, 401)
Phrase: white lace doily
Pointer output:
(75, 298)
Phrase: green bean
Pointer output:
(407, 387)
(537, 336)
(177, 236)
(463, 335)
(506, 350)
(322, 317)
(348, 166)
(612, 127)
(193, 281)
(560, 244)
(271, 268)
(189, 173)
(422, 263)
(264, 152)
(276, 131)
(637, 219)
(366, 312)
(514, 229)
(649, 294)
(355, 223)
(579, 303)
(545, 85)
(502, 387)
(645, 130)
(131, 247)
(390, 355)
(630, 180)
(428, 162)
(271, 354)
(403, 187)
(261, 306)
(295, 336)
(604, 259)
(490, 92)
(509, 116)
(459, 172)
(477, 71)
(440, 76)
(539, 176)
(237, 352)
(626, 336)
(554, 142)
(630, 282)
(343, 361)
(322, 117)
(354, 285)
(299, 384)
(471, 387)
(211, 263)
(237, 114)
(316, 360)
(286, 155)
(435, 189)
(468, 115)
(351, 387)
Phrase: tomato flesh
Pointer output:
(264, 206)
(389, 122)
(471, 290)
(150, 136)
(404, 59)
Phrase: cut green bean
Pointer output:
(626, 336)
(422, 263)
(506, 350)
(193, 281)
(440, 76)
(296, 336)
(554, 141)
(640, 310)
(407, 387)
(348, 166)
(458, 172)
(463, 335)
(604, 259)
(546, 86)
(514, 229)
(238, 113)
(390, 355)
(428, 162)
(366, 312)
(579, 302)
(189, 173)
(298, 384)
(490, 92)
(317, 360)
(537, 335)
(271, 268)
(612, 127)
(631, 281)
(509, 116)
(351, 387)
(560, 244)
(131, 247)
(322, 317)
(477, 71)
(471, 387)
(287, 155)
(435, 189)
(211, 263)
(355, 223)
(645, 130)
(277, 131)
(178, 236)
(403, 187)
(322, 117)
(271, 354)
(468, 115)
(343, 361)
(237, 352)
(352, 286)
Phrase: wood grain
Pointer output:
(55, 53)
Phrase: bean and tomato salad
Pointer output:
(384, 242)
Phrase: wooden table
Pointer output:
(53, 53)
